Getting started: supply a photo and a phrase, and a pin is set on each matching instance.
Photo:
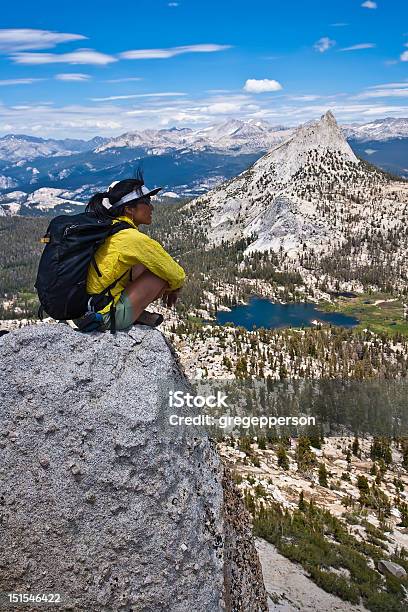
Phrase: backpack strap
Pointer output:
(112, 313)
(95, 265)
(116, 227)
(111, 286)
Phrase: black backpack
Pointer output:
(71, 242)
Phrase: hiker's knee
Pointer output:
(152, 279)
(146, 288)
(138, 270)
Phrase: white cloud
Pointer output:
(385, 93)
(72, 76)
(180, 117)
(404, 56)
(82, 56)
(380, 111)
(261, 85)
(139, 54)
(389, 85)
(167, 115)
(111, 118)
(344, 112)
(218, 91)
(359, 46)
(220, 108)
(124, 80)
(164, 94)
(369, 4)
(62, 121)
(339, 25)
(79, 124)
(304, 98)
(173, 4)
(194, 111)
(324, 44)
(13, 40)
(19, 81)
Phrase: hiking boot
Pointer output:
(152, 319)
(90, 321)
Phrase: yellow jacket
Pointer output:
(123, 250)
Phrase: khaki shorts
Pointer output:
(123, 315)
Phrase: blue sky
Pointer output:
(78, 69)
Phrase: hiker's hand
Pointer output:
(170, 298)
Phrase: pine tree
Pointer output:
(355, 447)
(304, 455)
(323, 475)
(262, 443)
(381, 449)
(315, 437)
(403, 508)
(301, 502)
(405, 456)
(364, 488)
(283, 459)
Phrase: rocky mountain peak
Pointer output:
(324, 133)
(313, 140)
(300, 194)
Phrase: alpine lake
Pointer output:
(261, 312)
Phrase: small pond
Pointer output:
(261, 312)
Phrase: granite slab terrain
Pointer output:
(100, 500)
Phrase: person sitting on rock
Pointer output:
(145, 270)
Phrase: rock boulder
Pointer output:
(100, 500)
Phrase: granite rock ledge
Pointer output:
(99, 502)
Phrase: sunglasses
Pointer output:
(142, 200)
(145, 200)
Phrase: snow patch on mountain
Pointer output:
(6, 182)
(169, 194)
(380, 129)
(21, 148)
(231, 135)
(41, 200)
(46, 199)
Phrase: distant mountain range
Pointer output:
(234, 136)
(16, 147)
(378, 130)
(186, 162)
